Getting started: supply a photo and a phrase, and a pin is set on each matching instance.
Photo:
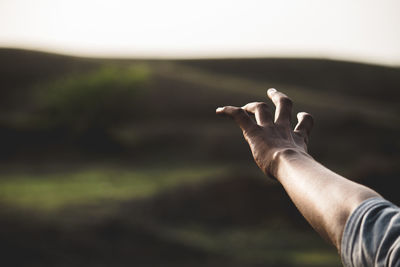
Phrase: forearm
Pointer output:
(325, 198)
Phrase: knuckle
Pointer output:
(240, 114)
(286, 101)
(305, 114)
(262, 105)
(308, 116)
(237, 111)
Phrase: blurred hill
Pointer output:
(136, 143)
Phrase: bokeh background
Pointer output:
(110, 150)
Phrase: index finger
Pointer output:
(239, 115)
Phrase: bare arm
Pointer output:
(325, 198)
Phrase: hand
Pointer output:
(268, 137)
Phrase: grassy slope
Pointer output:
(178, 133)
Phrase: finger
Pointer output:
(260, 111)
(239, 115)
(283, 104)
(304, 125)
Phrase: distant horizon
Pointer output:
(218, 57)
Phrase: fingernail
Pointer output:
(219, 109)
(271, 90)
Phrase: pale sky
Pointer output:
(356, 30)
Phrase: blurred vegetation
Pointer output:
(54, 191)
(123, 162)
(98, 99)
(272, 245)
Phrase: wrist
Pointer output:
(285, 155)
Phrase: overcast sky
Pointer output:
(357, 30)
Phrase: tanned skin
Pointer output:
(325, 198)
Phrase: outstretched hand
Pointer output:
(325, 198)
(268, 136)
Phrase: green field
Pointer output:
(50, 192)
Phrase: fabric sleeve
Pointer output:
(371, 236)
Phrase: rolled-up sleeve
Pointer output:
(372, 235)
